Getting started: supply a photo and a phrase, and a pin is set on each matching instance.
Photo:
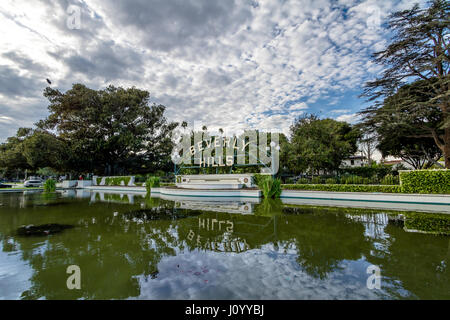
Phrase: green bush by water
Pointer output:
(50, 185)
(152, 182)
(426, 181)
(351, 179)
(117, 181)
(270, 187)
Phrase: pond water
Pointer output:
(131, 247)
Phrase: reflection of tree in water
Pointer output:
(322, 238)
(418, 263)
(110, 249)
(115, 250)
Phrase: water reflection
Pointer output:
(129, 246)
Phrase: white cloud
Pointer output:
(227, 64)
(351, 118)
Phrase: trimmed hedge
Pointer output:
(116, 181)
(425, 181)
(343, 187)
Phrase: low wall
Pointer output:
(390, 201)
(69, 183)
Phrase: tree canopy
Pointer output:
(418, 56)
(320, 144)
(403, 130)
(110, 131)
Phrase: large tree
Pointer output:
(403, 132)
(110, 131)
(33, 149)
(419, 50)
(320, 144)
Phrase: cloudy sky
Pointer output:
(230, 63)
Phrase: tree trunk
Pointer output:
(447, 147)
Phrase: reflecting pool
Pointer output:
(132, 247)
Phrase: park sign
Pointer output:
(251, 148)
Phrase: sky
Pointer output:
(230, 64)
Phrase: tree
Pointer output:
(33, 149)
(402, 133)
(110, 131)
(320, 144)
(419, 50)
(11, 155)
(367, 144)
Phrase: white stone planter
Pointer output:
(69, 183)
(84, 183)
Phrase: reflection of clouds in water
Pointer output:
(14, 275)
(255, 274)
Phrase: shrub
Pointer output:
(390, 180)
(379, 170)
(50, 185)
(257, 179)
(116, 181)
(330, 181)
(152, 182)
(426, 181)
(374, 180)
(99, 179)
(303, 181)
(316, 180)
(270, 187)
(352, 180)
(343, 188)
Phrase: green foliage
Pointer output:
(343, 188)
(390, 180)
(33, 149)
(99, 180)
(110, 130)
(320, 144)
(270, 187)
(374, 170)
(50, 185)
(426, 181)
(352, 180)
(152, 182)
(316, 180)
(257, 179)
(416, 115)
(47, 171)
(116, 181)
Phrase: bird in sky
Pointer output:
(49, 82)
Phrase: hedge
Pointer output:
(343, 187)
(425, 181)
(116, 181)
